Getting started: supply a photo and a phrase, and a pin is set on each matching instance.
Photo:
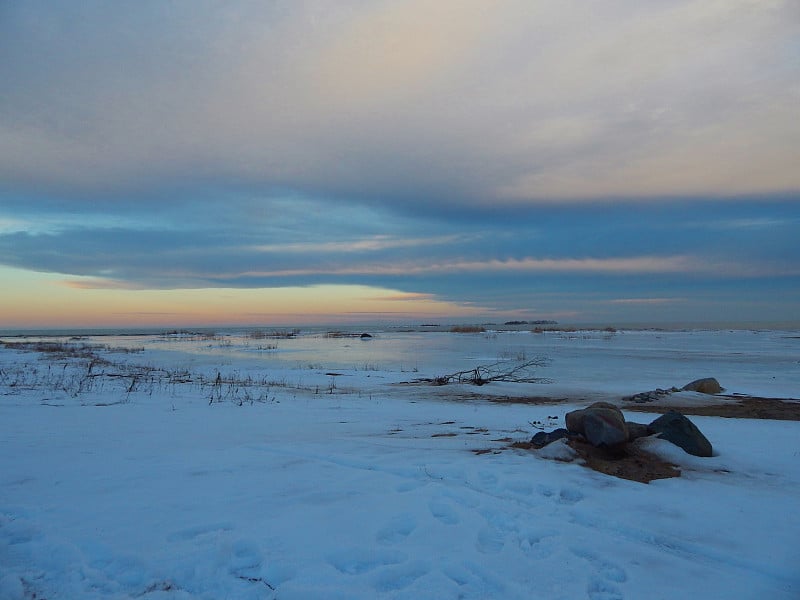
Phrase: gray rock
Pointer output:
(604, 405)
(543, 438)
(637, 430)
(642, 397)
(574, 420)
(676, 428)
(604, 426)
(707, 385)
(651, 396)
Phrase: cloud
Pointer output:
(194, 277)
(477, 152)
(372, 243)
(409, 105)
(755, 223)
(405, 296)
(246, 243)
(646, 301)
(97, 283)
(646, 264)
(640, 265)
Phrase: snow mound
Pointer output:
(559, 450)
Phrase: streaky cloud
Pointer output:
(373, 243)
(632, 265)
(645, 301)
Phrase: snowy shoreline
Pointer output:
(212, 468)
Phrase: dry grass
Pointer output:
(747, 407)
(57, 350)
(630, 462)
(627, 462)
(277, 334)
(467, 329)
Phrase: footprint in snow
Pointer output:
(408, 486)
(569, 495)
(245, 559)
(545, 491)
(600, 589)
(400, 576)
(357, 561)
(396, 530)
(533, 543)
(605, 569)
(475, 578)
(490, 540)
(192, 533)
(443, 511)
(465, 500)
(522, 488)
(601, 585)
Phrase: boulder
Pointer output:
(604, 405)
(676, 428)
(605, 427)
(574, 421)
(707, 385)
(575, 418)
(637, 430)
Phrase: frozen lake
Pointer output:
(757, 362)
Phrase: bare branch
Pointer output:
(508, 371)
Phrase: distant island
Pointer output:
(542, 322)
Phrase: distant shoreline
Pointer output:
(520, 326)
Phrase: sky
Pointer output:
(209, 163)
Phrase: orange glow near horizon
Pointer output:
(37, 300)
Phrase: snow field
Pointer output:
(371, 491)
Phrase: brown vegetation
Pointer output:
(746, 407)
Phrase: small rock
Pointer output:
(637, 430)
(676, 428)
(560, 451)
(707, 385)
(543, 438)
(651, 396)
(365, 336)
(645, 397)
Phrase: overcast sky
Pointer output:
(246, 162)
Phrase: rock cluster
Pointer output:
(706, 385)
(651, 396)
(604, 426)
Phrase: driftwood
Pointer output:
(508, 371)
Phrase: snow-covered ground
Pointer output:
(233, 467)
